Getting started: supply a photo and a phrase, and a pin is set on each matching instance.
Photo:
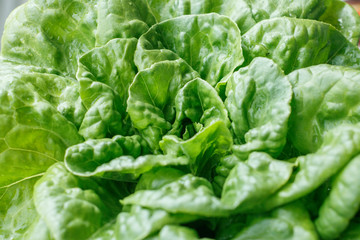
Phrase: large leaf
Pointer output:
(258, 101)
(296, 43)
(105, 75)
(249, 183)
(122, 19)
(50, 34)
(209, 43)
(340, 145)
(325, 96)
(72, 207)
(246, 13)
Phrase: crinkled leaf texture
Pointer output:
(247, 13)
(340, 145)
(209, 44)
(105, 75)
(296, 43)
(188, 195)
(325, 97)
(342, 204)
(250, 182)
(258, 101)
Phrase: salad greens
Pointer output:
(190, 119)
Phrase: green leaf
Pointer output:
(158, 177)
(296, 43)
(197, 106)
(141, 222)
(250, 182)
(342, 204)
(151, 102)
(105, 75)
(187, 195)
(176, 233)
(324, 97)
(17, 210)
(344, 17)
(207, 145)
(120, 158)
(122, 19)
(340, 145)
(290, 222)
(50, 34)
(209, 43)
(258, 101)
(247, 13)
(71, 207)
(33, 134)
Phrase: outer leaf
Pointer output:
(105, 75)
(50, 34)
(17, 210)
(33, 134)
(296, 43)
(188, 195)
(247, 13)
(344, 17)
(208, 144)
(72, 207)
(342, 204)
(60, 92)
(141, 222)
(258, 100)
(151, 100)
(209, 43)
(324, 97)
(250, 183)
(339, 147)
(122, 19)
(290, 222)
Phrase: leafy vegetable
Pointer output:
(149, 119)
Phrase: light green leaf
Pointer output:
(105, 75)
(342, 204)
(72, 207)
(120, 158)
(122, 19)
(250, 182)
(50, 34)
(17, 210)
(344, 17)
(291, 222)
(141, 222)
(197, 106)
(151, 102)
(176, 233)
(187, 195)
(258, 101)
(203, 149)
(340, 145)
(158, 177)
(209, 43)
(297, 43)
(325, 96)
